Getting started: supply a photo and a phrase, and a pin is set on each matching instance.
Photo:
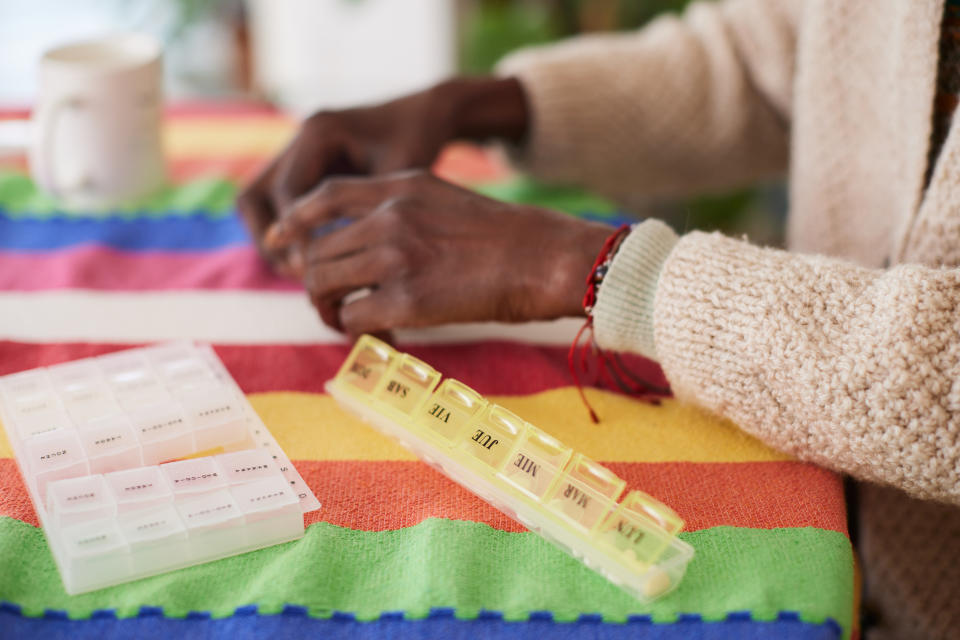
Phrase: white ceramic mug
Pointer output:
(96, 126)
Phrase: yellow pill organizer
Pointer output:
(148, 460)
(564, 496)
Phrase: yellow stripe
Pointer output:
(226, 137)
(311, 426)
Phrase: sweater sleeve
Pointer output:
(855, 369)
(687, 104)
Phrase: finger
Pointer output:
(329, 309)
(309, 160)
(256, 209)
(339, 196)
(356, 271)
(352, 238)
(384, 309)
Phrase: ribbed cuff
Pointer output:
(623, 315)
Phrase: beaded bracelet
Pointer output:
(601, 266)
(611, 368)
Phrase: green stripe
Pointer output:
(210, 196)
(463, 565)
(524, 190)
(213, 196)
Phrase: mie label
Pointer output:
(526, 465)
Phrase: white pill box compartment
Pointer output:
(529, 475)
(93, 439)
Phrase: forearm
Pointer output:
(484, 108)
(851, 368)
(687, 104)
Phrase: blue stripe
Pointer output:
(173, 233)
(294, 624)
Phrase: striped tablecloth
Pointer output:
(396, 549)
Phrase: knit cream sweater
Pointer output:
(844, 351)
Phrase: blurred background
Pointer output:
(303, 55)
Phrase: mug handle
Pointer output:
(45, 160)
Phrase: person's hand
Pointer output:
(429, 253)
(403, 134)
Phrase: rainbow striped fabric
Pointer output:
(396, 550)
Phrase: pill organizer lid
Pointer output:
(502, 419)
(417, 370)
(462, 397)
(649, 508)
(545, 447)
(596, 476)
(76, 494)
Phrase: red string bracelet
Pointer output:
(610, 368)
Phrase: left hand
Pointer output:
(432, 253)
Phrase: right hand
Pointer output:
(406, 133)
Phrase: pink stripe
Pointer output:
(109, 269)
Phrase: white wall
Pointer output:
(310, 54)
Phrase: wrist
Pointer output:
(481, 109)
(564, 285)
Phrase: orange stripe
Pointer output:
(386, 495)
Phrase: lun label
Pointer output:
(632, 533)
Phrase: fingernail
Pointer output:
(295, 259)
(274, 236)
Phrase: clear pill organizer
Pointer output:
(148, 460)
(523, 471)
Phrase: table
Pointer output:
(396, 550)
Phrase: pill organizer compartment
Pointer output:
(54, 456)
(112, 450)
(585, 493)
(406, 384)
(446, 416)
(154, 536)
(193, 476)
(491, 437)
(536, 463)
(216, 417)
(247, 465)
(92, 550)
(139, 488)
(132, 381)
(529, 475)
(366, 365)
(79, 500)
(639, 531)
(110, 444)
(85, 394)
(164, 432)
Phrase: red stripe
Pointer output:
(387, 495)
(225, 109)
(492, 368)
(103, 268)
